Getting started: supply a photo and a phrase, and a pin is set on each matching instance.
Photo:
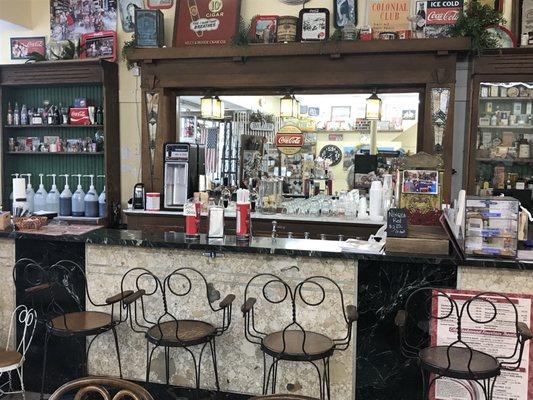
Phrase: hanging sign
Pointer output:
(209, 22)
(262, 126)
(388, 16)
(289, 139)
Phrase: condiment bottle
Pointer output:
(102, 201)
(78, 204)
(39, 201)
(30, 194)
(65, 200)
(52, 199)
(91, 200)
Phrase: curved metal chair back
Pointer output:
(297, 298)
(104, 388)
(26, 319)
(421, 312)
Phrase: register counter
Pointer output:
(316, 226)
(378, 283)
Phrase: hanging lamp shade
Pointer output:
(289, 107)
(373, 108)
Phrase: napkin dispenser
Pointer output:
(216, 222)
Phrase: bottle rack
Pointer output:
(95, 80)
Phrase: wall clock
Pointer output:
(332, 153)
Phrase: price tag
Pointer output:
(397, 223)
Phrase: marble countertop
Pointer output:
(264, 245)
(278, 216)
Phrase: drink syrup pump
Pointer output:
(65, 200)
(91, 200)
(78, 204)
(39, 200)
(30, 194)
(16, 175)
(102, 200)
(52, 199)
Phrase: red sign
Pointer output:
(206, 22)
(79, 116)
(289, 140)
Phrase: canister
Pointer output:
(153, 201)
(287, 28)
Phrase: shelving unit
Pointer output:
(63, 82)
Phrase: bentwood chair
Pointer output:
(13, 360)
(475, 370)
(104, 388)
(166, 326)
(293, 342)
(54, 290)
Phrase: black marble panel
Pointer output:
(66, 356)
(382, 373)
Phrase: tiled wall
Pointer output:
(7, 294)
(240, 363)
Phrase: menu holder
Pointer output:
(397, 223)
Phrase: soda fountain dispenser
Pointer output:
(183, 164)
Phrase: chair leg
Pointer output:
(20, 372)
(167, 365)
(265, 384)
(214, 358)
(274, 377)
(46, 339)
(197, 367)
(149, 362)
(115, 336)
(327, 382)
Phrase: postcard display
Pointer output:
(496, 338)
(491, 226)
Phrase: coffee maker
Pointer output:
(183, 163)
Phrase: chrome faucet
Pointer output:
(274, 233)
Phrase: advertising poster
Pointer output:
(441, 15)
(21, 48)
(388, 16)
(206, 22)
(497, 338)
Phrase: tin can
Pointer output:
(287, 28)
(365, 33)
(403, 34)
(153, 201)
(387, 36)
(192, 220)
(242, 231)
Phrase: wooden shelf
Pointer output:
(333, 49)
(505, 127)
(505, 160)
(506, 98)
(53, 126)
(62, 153)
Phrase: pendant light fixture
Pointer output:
(289, 107)
(212, 107)
(373, 107)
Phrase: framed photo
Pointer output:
(127, 13)
(22, 47)
(345, 13)
(262, 23)
(206, 22)
(340, 113)
(408, 115)
(420, 182)
(149, 28)
(504, 36)
(160, 4)
(313, 24)
(99, 45)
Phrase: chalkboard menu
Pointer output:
(396, 223)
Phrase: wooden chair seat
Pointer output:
(482, 365)
(83, 322)
(289, 345)
(189, 333)
(283, 397)
(9, 358)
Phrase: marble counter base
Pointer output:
(7, 294)
(240, 363)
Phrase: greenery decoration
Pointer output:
(473, 22)
(35, 57)
(128, 44)
(68, 52)
(336, 36)
(242, 38)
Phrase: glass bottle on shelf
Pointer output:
(16, 115)
(24, 115)
(9, 114)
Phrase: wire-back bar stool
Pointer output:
(293, 342)
(169, 328)
(458, 360)
(52, 290)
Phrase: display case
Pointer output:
(38, 147)
(491, 227)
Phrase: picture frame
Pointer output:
(149, 28)
(313, 25)
(99, 45)
(127, 13)
(205, 22)
(159, 4)
(259, 24)
(340, 113)
(345, 12)
(420, 182)
(20, 48)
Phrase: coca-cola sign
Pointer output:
(443, 12)
(79, 116)
(289, 140)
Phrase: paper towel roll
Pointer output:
(19, 188)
